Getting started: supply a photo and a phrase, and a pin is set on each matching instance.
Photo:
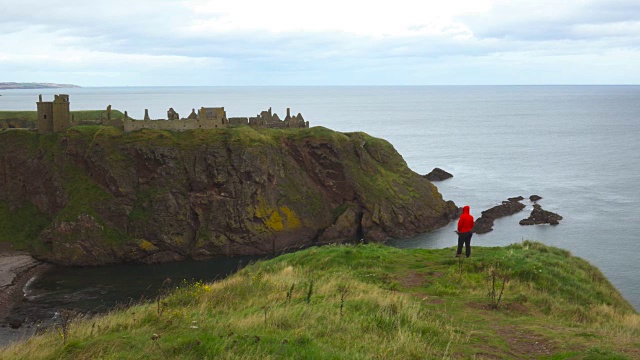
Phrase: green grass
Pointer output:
(83, 193)
(78, 115)
(398, 304)
(246, 136)
(19, 115)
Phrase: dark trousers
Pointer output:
(464, 238)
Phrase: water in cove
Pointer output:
(576, 146)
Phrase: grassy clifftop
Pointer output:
(371, 302)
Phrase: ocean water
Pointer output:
(576, 146)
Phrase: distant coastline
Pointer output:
(14, 86)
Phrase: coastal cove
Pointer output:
(568, 144)
(97, 290)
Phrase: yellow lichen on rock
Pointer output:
(276, 219)
(147, 246)
(292, 220)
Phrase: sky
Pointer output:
(329, 42)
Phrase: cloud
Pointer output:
(331, 42)
(551, 20)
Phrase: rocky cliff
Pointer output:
(95, 195)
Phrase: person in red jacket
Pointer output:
(465, 225)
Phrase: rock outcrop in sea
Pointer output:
(484, 223)
(437, 174)
(94, 195)
(540, 216)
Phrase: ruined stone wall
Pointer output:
(175, 125)
(119, 123)
(238, 121)
(269, 120)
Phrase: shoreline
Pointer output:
(16, 269)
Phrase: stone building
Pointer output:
(53, 116)
(216, 115)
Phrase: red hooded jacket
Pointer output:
(465, 224)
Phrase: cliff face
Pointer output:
(94, 195)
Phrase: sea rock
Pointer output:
(437, 174)
(484, 223)
(101, 196)
(517, 198)
(539, 216)
(14, 322)
(535, 198)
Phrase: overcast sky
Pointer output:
(329, 42)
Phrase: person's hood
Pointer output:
(465, 210)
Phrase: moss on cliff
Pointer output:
(21, 226)
(83, 194)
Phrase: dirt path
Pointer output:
(525, 344)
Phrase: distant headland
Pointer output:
(14, 85)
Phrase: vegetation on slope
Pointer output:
(370, 302)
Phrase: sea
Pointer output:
(578, 147)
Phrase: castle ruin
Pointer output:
(55, 116)
(214, 118)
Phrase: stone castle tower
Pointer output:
(53, 116)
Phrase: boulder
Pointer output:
(535, 198)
